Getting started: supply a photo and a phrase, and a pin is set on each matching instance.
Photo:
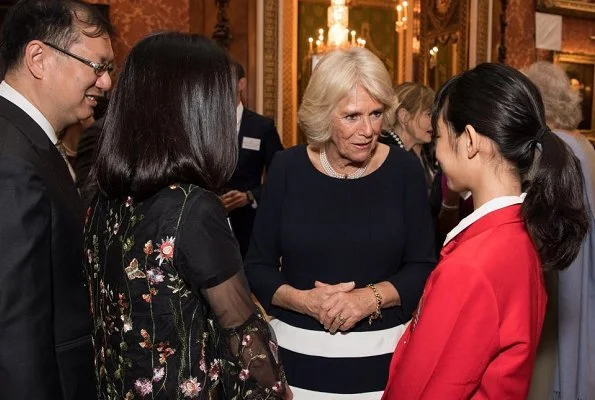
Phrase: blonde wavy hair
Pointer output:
(562, 103)
(414, 97)
(335, 75)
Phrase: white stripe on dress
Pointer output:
(304, 394)
(338, 345)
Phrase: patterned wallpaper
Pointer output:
(576, 35)
(133, 19)
(520, 33)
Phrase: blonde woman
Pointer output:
(349, 219)
(412, 129)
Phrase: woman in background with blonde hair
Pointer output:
(573, 288)
(412, 129)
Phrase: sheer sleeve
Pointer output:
(209, 260)
(246, 342)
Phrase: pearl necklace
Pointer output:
(396, 138)
(331, 172)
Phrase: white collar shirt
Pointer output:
(490, 206)
(239, 113)
(12, 95)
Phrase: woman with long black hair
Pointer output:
(477, 326)
(171, 306)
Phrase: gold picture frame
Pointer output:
(580, 69)
(444, 27)
(573, 8)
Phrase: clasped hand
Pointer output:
(340, 306)
(234, 199)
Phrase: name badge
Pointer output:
(250, 143)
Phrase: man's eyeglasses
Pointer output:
(99, 68)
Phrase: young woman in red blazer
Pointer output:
(477, 326)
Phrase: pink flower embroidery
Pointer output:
(143, 386)
(277, 387)
(158, 373)
(146, 343)
(274, 350)
(190, 387)
(89, 256)
(166, 249)
(122, 301)
(244, 374)
(148, 297)
(148, 248)
(128, 202)
(214, 371)
(164, 351)
(154, 275)
(247, 341)
(203, 365)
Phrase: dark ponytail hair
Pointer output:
(502, 104)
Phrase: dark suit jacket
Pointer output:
(45, 325)
(251, 165)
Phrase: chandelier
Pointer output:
(401, 23)
(338, 35)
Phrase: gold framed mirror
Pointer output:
(581, 72)
(444, 42)
(573, 8)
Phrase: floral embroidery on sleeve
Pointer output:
(153, 337)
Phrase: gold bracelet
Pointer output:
(378, 313)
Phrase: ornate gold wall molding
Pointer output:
(483, 29)
(574, 8)
(270, 57)
(444, 22)
(356, 3)
(289, 71)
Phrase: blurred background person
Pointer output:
(87, 144)
(565, 369)
(349, 219)
(68, 140)
(170, 302)
(477, 327)
(412, 129)
(258, 142)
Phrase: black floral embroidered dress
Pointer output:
(173, 318)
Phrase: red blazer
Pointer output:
(477, 326)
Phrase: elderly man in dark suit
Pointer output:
(58, 57)
(258, 142)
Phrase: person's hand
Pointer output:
(234, 199)
(288, 395)
(451, 198)
(448, 217)
(343, 310)
(314, 298)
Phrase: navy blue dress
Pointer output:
(368, 230)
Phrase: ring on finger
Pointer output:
(341, 319)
